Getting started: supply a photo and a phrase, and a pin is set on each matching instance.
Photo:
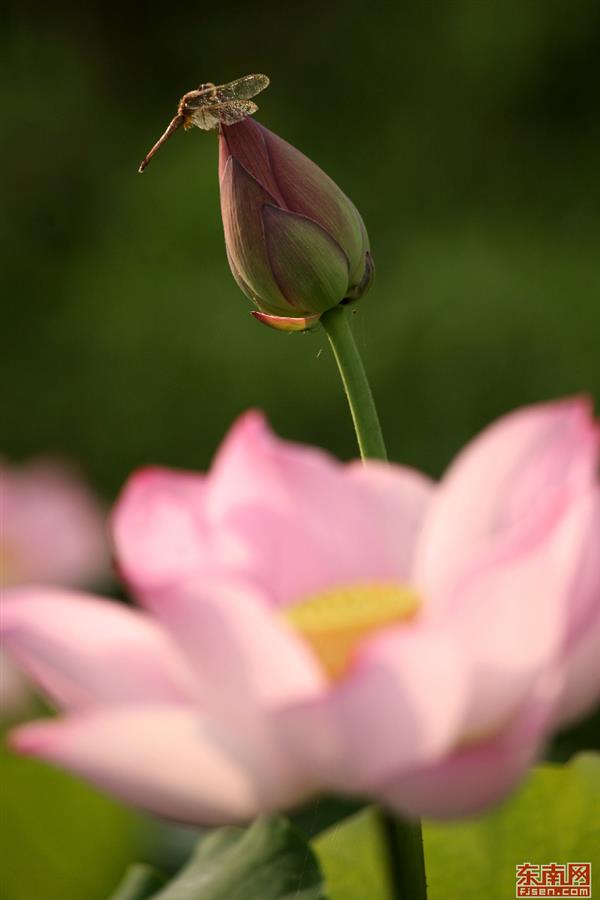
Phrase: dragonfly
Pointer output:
(211, 106)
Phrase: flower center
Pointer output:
(334, 622)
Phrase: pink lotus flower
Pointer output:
(296, 244)
(316, 626)
(52, 531)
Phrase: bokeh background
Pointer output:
(467, 133)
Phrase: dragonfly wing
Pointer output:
(235, 111)
(241, 89)
(205, 117)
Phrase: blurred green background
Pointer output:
(467, 133)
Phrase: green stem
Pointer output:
(403, 845)
(402, 840)
(358, 391)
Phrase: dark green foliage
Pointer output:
(267, 861)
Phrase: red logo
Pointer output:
(572, 879)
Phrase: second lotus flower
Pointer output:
(312, 626)
(296, 244)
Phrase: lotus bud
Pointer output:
(296, 244)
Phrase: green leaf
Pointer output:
(553, 818)
(59, 839)
(140, 883)
(323, 812)
(351, 859)
(269, 860)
